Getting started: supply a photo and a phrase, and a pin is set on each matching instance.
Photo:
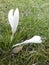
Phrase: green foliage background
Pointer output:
(34, 20)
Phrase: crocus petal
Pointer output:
(10, 17)
(13, 18)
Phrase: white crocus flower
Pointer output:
(35, 39)
(13, 17)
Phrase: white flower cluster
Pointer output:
(13, 18)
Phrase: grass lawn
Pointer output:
(34, 20)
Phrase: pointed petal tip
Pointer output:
(10, 11)
(10, 14)
(17, 9)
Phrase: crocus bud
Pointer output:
(13, 18)
(35, 39)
